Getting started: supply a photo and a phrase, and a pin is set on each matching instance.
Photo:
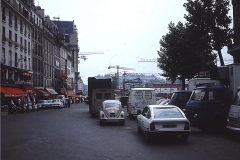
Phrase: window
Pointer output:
(107, 96)
(3, 31)
(148, 95)
(10, 34)
(3, 14)
(138, 95)
(10, 18)
(98, 95)
(15, 23)
(15, 37)
(167, 113)
(21, 26)
(144, 111)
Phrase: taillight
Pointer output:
(187, 126)
(152, 126)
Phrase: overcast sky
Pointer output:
(125, 30)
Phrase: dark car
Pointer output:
(124, 100)
(180, 98)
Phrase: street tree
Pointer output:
(114, 80)
(179, 56)
(210, 21)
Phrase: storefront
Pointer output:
(13, 93)
(41, 93)
(52, 92)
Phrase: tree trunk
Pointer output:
(183, 83)
(220, 57)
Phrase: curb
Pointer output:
(4, 113)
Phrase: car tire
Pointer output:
(184, 138)
(123, 122)
(101, 123)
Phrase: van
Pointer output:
(98, 96)
(180, 98)
(139, 98)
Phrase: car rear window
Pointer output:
(112, 105)
(167, 113)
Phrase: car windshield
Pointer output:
(56, 100)
(167, 112)
(197, 94)
(112, 105)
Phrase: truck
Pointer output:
(233, 121)
(139, 98)
(98, 91)
(210, 104)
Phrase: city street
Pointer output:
(72, 134)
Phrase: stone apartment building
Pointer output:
(36, 61)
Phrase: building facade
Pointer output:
(35, 59)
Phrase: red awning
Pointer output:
(74, 95)
(12, 92)
(41, 92)
(28, 88)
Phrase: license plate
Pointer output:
(169, 126)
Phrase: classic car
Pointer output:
(166, 120)
(111, 111)
(43, 104)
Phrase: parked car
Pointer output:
(111, 111)
(160, 100)
(165, 120)
(57, 103)
(164, 102)
(43, 104)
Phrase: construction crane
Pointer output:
(147, 60)
(118, 67)
(82, 55)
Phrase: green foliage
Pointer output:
(178, 56)
(114, 81)
(210, 21)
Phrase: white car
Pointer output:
(57, 103)
(166, 120)
(111, 111)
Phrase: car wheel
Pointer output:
(184, 138)
(101, 123)
(123, 122)
(93, 115)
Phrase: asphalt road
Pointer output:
(72, 134)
